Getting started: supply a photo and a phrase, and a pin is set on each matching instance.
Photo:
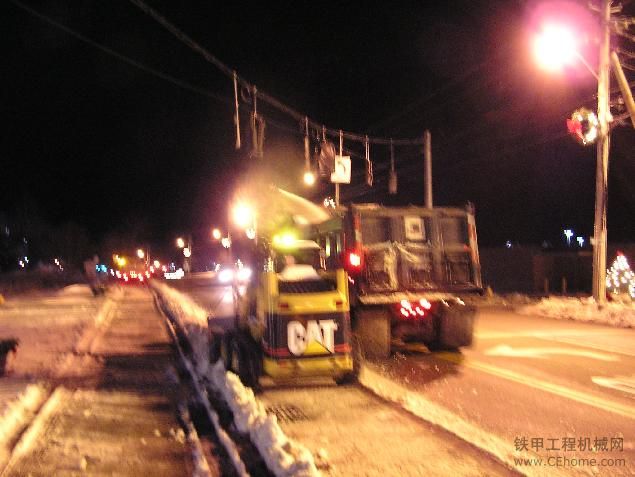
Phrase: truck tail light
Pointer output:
(354, 260)
(413, 310)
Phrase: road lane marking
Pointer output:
(558, 390)
(543, 353)
(621, 383)
(563, 336)
(575, 342)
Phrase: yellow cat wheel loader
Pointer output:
(292, 319)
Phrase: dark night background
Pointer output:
(92, 140)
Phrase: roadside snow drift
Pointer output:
(583, 309)
(284, 457)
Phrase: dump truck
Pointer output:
(292, 318)
(409, 268)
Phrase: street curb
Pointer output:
(228, 444)
(35, 427)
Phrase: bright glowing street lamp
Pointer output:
(309, 178)
(140, 253)
(180, 242)
(216, 234)
(243, 215)
(557, 45)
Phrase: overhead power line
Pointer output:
(159, 74)
(272, 101)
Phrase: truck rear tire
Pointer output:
(456, 327)
(372, 329)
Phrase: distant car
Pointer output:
(226, 273)
(133, 277)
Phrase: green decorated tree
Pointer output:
(620, 279)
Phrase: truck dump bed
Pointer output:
(414, 249)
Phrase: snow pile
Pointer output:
(583, 309)
(284, 457)
(19, 412)
(192, 319)
(77, 289)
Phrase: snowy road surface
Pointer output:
(349, 430)
(529, 388)
(535, 379)
(113, 411)
(353, 432)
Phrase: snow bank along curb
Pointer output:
(583, 309)
(223, 437)
(427, 410)
(283, 457)
(60, 394)
(35, 427)
(201, 467)
(191, 318)
(99, 323)
(17, 413)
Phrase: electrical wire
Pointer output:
(272, 101)
(380, 167)
(159, 74)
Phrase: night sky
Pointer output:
(89, 138)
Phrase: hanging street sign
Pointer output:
(342, 170)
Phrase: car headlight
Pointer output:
(225, 276)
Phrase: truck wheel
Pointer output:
(353, 376)
(373, 331)
(455, 328)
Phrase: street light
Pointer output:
(187, 251)
(557, 43)
(555, 47)
(243, 215)
(216, 234)
(309, 178)
(140, 253)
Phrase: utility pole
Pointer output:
(601, 175)
(427, 157)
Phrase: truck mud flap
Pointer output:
(456, 326)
